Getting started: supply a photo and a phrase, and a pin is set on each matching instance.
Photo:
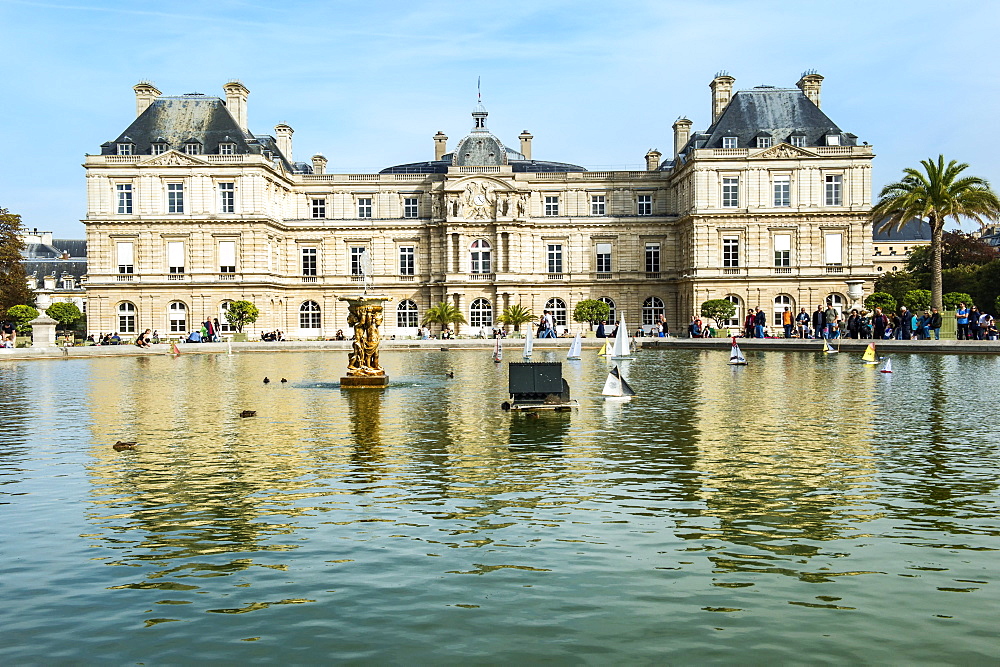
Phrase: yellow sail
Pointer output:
(869, 354)
(604, 350)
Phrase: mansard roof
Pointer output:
(517, 166)
(198, 118)
(780, 112)
(914, 230)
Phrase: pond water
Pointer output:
(802, 509)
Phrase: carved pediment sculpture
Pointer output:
(172, 159)
(783, 150)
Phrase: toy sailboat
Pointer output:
(827, 348)
(497, 351)
(616, 386)
(736, 357)
(574, 348)
(174, 349)
(887, 366)
(529, 342)
(869, 356)
(603, 352)
(623, 345)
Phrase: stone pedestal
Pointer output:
(43, 331)
(364, 381)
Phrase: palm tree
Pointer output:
(935, 195)
(444, 314)
(516, 315)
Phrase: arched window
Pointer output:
(737, 318)
(481, 313)
(781, 302)
(612, 315)
(406, 314)
(652, 308)
(309, 315)
(224, 325)
(178, 317)
(837, 301)
(126, 317)
(480, 257)
(557, 307)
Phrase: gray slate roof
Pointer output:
(778, 112)
(914, 230)
(42, 260)
(518, 166)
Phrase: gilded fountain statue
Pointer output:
(365, 314)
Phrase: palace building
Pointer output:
(188, 210)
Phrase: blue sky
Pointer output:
(597, 83)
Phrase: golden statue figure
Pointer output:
(366, 319)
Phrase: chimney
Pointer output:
(284, 133)
(682, 134)
(145, 93)
(440, 145)
(810, 84)
(236, 102)
(653, 159)
(722, 92)
(319, 164)
(525, 138)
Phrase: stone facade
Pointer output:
(180, 223)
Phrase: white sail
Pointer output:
(622, 348)
(616, 385)
(529, 342)
(887, 366)
(575, 347)
(827, 348)
(498, 351)
(736, 355)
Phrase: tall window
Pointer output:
(480, 257)
(597, 205)
(406, 314)
(175, 256)
(124, 198)
(357, 260)
(309, 315)
(612, 313)
(837, 301)
(604, 258)
(730, 192)
(652, 258)
(781, 302)
(309, 256)
(224, 325)
(737, 317)
(227, 256)
(652, 308)
(227, 198)
(410, 207)
(555, 258)
(833, 189)
(126, 257)
(730, 251)
(782, 250)
(557, 307)
(319, 208)
(175, 197)
(481, 313)
(552, 206)
(729, 142)
(783, 190)
(177, 314)
(365, 207)
(407, 254)
(833, 249)
(126, 317)
(644, 205)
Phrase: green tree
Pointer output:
(897, 284)
(996, 306)
(21, 316)
(64, 312)
(917, 300)
(952, 299)
(516, 315)
(241, 312)
(936, 194)
(718, 310)
(444, 314)
(883, 300)
(591, 311)
(957, 249)
(13, 280)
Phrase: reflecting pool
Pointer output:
(801, 509)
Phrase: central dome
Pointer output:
(481, 148)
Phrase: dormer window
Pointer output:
(126, 149)
(833, 140)
(763, 142)
(159, 148)
(797, 140)
(192, 148)
(729, 142)
(227, 149)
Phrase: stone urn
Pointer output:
(854, 292)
